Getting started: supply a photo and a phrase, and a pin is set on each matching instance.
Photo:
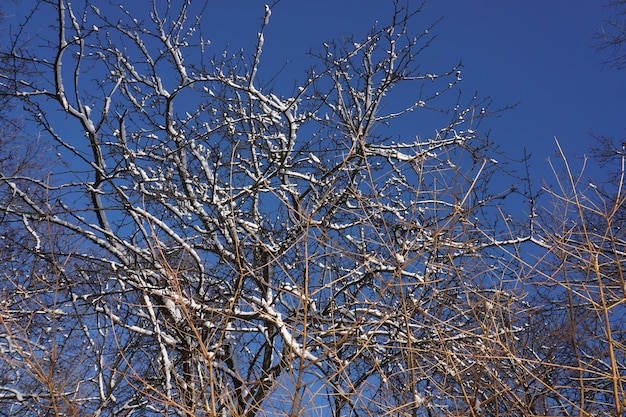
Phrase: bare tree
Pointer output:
(612, 35)
(213, 246)
(578, 292)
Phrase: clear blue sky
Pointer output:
(538, 52)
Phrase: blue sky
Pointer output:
(542, 54)
(539, 53)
